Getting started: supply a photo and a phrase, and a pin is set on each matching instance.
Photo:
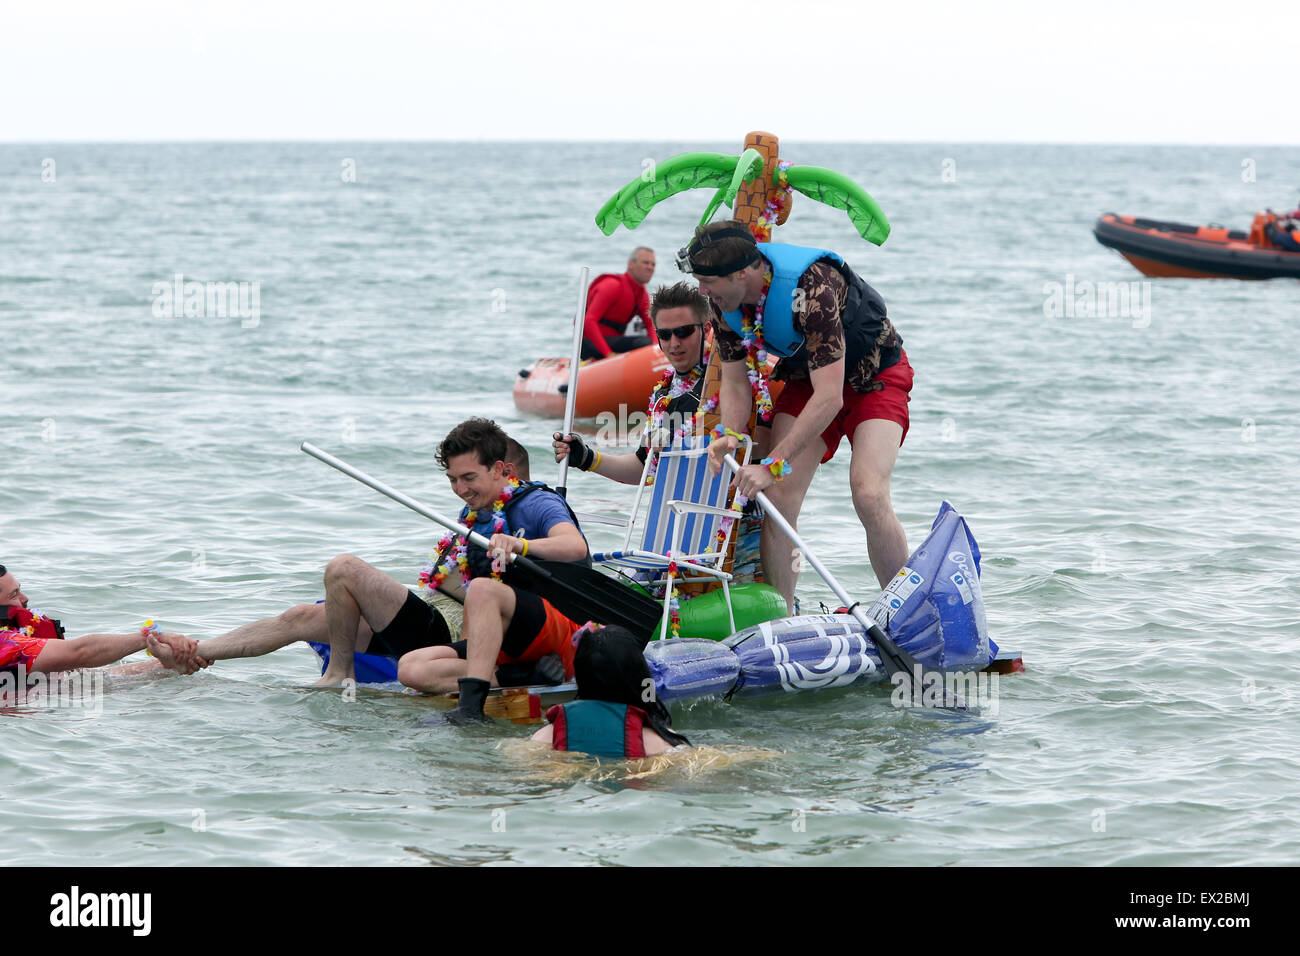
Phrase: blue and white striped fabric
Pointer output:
(683, 475)
(687, 507)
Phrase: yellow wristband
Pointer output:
(596, 463)
(524, 553)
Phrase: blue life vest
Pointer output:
(597, 727)
(863, 317)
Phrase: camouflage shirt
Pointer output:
(825, 292)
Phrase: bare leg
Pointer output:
(433, 670)
(779, 565)
(355, 590)
(875, 450)
(489, 606)
(302, 622)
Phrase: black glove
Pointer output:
(580, 456)
(480, 563)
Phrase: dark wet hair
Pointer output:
(677, 295)
(735, 250)
(517, 455)
(609, 665)
(482, 436)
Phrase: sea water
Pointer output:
(1127, 463)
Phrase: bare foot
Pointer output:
(334, 679)
(176, 652)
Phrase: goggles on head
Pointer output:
(685, 254)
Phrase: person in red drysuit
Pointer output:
(612, 301)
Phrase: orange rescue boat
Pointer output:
(1197, 252)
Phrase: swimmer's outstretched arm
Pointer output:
(97, 650)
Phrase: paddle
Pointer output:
(578, 592)
(895, 659)
(571, 396)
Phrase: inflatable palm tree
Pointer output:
(755, 173)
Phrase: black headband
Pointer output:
(686, 254)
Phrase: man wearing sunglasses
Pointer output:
(846, 375)
(31, 642)
(679, 314)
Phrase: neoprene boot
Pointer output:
(469, 710)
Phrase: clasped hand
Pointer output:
(176, 652)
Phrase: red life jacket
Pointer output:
(612, 300)
(34, 623)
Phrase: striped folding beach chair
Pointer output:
(686, 529)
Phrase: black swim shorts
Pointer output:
(416, 625)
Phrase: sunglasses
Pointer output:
(682, 332)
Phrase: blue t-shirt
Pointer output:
(531, 516)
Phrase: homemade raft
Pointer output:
(934, 609)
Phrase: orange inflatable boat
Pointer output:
(623, 379)
(604, 385)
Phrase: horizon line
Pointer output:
(617, 141)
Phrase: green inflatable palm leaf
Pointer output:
(838, 191)
(630, 205)
(749, 167)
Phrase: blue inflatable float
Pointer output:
(933, 608)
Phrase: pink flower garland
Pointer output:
(669, 388)
(756, 354)
(454, 550)
(772, 208)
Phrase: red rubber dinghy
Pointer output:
(1204, 252)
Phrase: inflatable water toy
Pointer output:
(702, 618)
(728, 174)
(623, 379)
(759, 186)
(933, 608)
(1172, 249)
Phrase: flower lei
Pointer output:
(674, 606)
(670, 387)
(149, 629)
(453, 550)
(756, 354)
(772, 208)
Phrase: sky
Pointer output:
(668, 70)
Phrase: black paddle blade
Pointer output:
(895, 659)
(898, 661)
(584, 594)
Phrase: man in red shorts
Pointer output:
(505, 620)
(31, 642)
(846, 373)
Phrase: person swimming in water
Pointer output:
(616, 714)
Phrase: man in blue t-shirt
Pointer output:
(364, 611)
(506, 622)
